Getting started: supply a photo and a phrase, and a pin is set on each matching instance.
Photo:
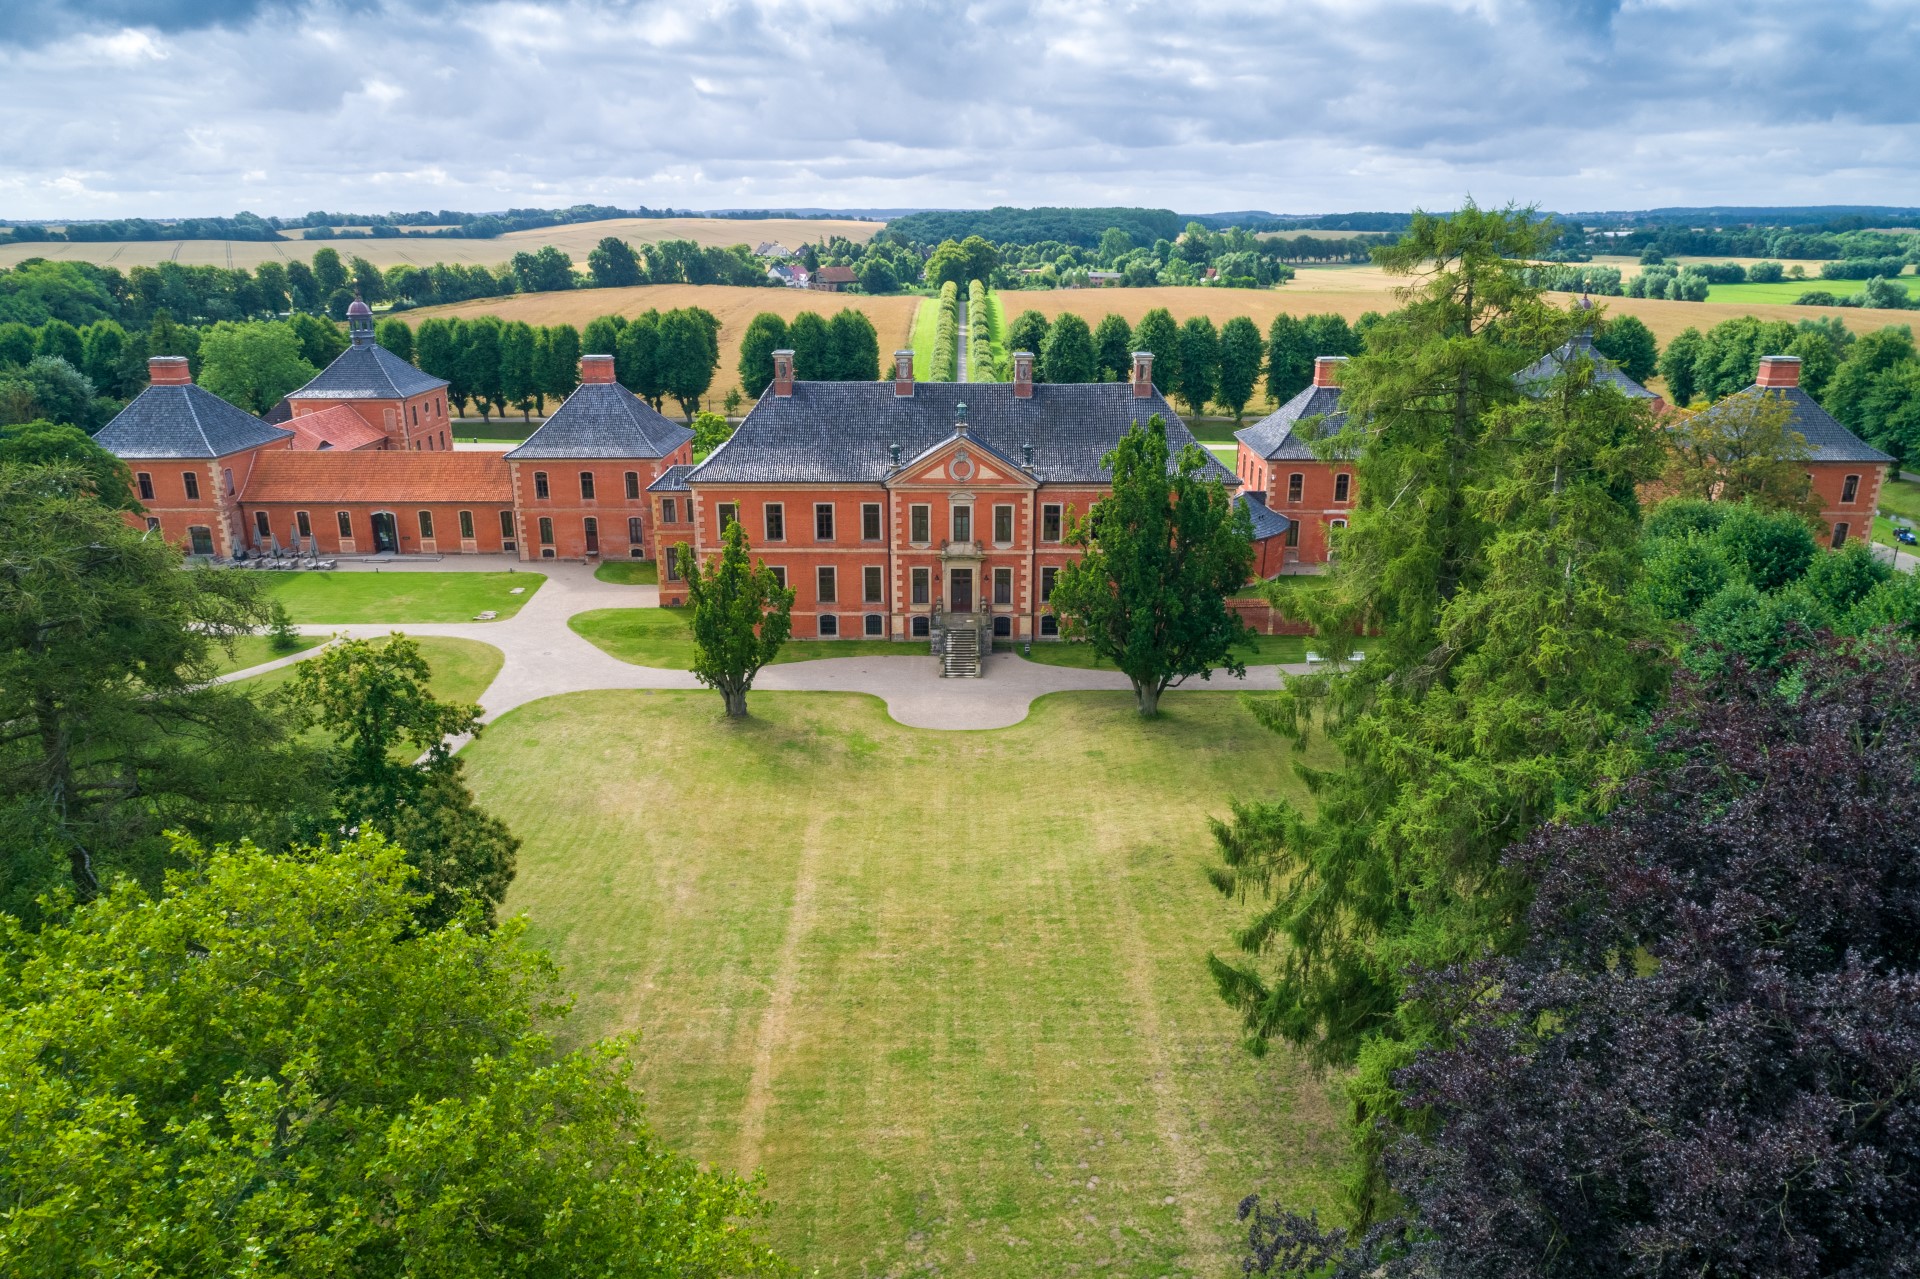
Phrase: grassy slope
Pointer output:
(661, 637)
(629, 572)
(1900, 497)
(462, 668)
(256, 650)
(948, 995)
(327, 598)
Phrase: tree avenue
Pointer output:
(1162, 553)
(741, 617)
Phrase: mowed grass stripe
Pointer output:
(997, 1049)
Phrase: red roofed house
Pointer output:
(367, 501)
(406, 406)
(832, 279)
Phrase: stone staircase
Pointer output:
(961, 658)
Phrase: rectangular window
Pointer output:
(466, 525)
(669, 511)
(1342, 486)
(922, 585)
(426, 524)
(876, 625)
(776, 520)
(823, 521)
(226, 475)
(146, 486)
(633, 486)
(586, 486)
(1849, 490)
(506, 524)
(823, 578)
(919, 523)
(1050, 522)
(729, 513)
(963, 523)
(1839, 536)
(1293, 534)
(779, 576)
(153, 524)
(345, 520)
(673, 562)
(635, 530)
(192, 482)
(546, 531)
(261, 526)
(1296, 487)
(300, 522)
(1003, 525)
(920, 627)
(1047, 575)
(1003, 586)
(1049, 625)
(540, 485)
(871, 583)
(870, 529)
(829, 627)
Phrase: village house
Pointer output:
(1280, 474)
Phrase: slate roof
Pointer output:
(336, 427)
(603, 419)
(399, 479)
(1267, 522)
(1829, 440)
(673, 479)
(1273, 437)
(368, 371)
(840, 432)
(1554, 362)
(183, 420)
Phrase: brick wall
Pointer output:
(568, 509)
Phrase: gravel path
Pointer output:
(544, 658)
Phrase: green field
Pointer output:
(1787, 291)
(462, 668)
(629, 572)
(946, 990)
(256, 650)
(323, 599)
(663, 637)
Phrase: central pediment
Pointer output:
(961, 460)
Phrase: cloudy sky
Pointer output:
(180, 107)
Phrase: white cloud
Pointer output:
(355, 105)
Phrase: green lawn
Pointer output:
(326, 598)
(629, 572)
(926, 322)
(1270, 650)
(462, 668)
(1900, 497)
(946, 990)
(256, 650)
(662, 637)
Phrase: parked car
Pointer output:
(1905, 536)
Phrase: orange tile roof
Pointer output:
(289, 475)
(337, 427)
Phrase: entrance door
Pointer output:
(386, 535)
(960, 590)
(593, 536)
(202, 539)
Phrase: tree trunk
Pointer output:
(1148, 697)
(736, 700)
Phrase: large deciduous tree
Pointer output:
(373, 698)
(1702, 1060)
(1068, 354)
(741, 617)
(614, 264)
(1163, 551)
(1240, 352)
(1113, 348)
(252, 364)
(1743, 449)
(52, 444)
(1159, 335)
(1198, 366)
(766, 333)
(689, 354)
(270, 1068)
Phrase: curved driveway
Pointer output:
(545, 657)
